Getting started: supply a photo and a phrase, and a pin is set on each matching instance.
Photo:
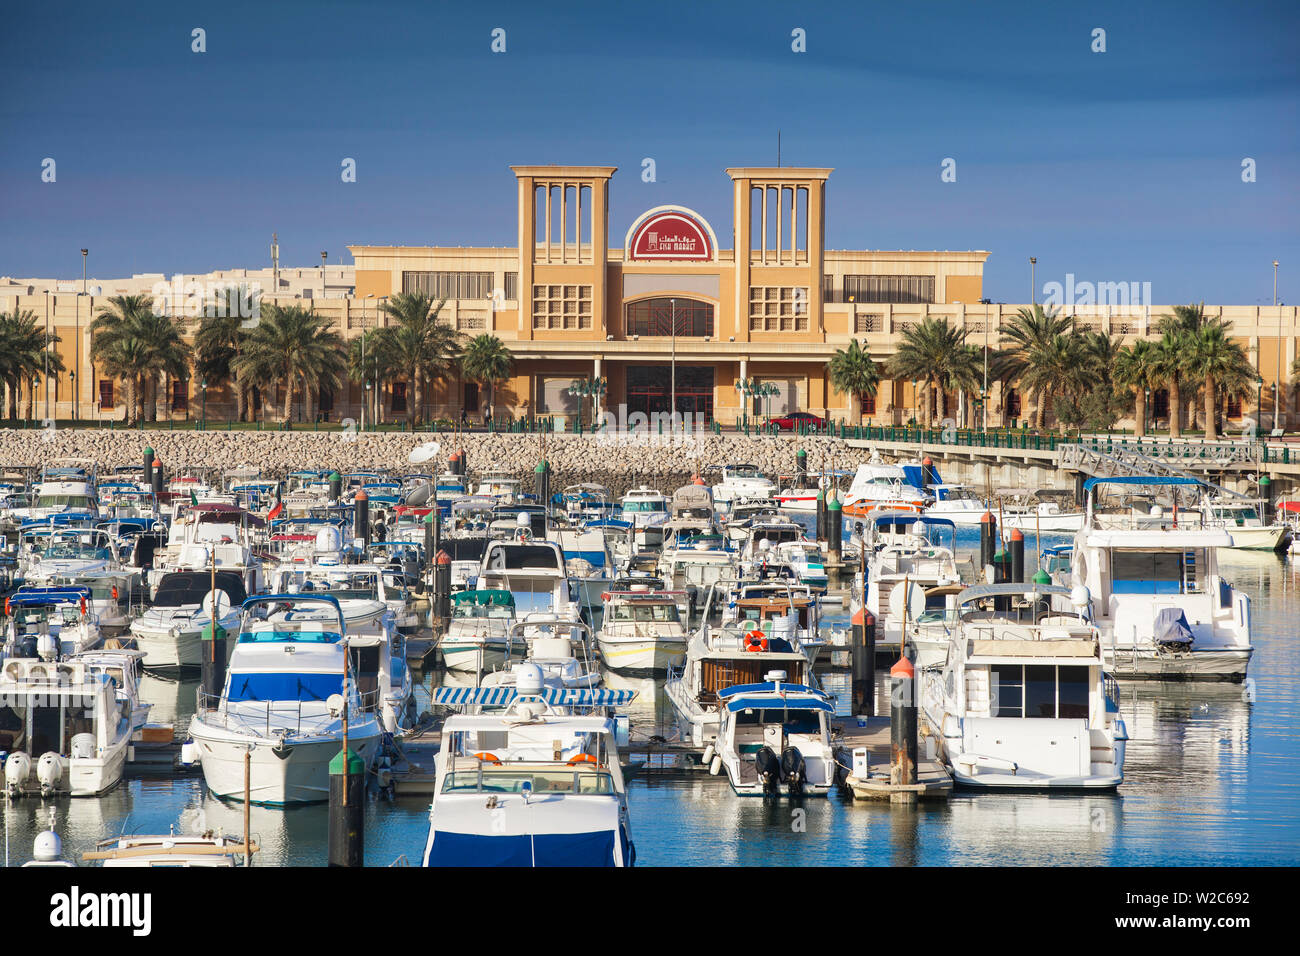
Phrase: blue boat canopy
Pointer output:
(43, 597)
(791, 702)
(768, 687)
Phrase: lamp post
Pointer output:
(365, 382)
(1146, 412)
(203, 418)
(76, 346)
(672, 400)
(584, 388)
(323, 256)
(1033, 286)
(1277, 388)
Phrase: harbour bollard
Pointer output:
(834, 534)
(361, 517)
(863, 661)
(1043, 604)
(800, 468)
(213, 662)
(347, 810)
(336, 487)
(156, 477)
(1265, 502)
(927, 473)
(821, 514)
(1017, 547)
(902, 723)
(462, 461)
(542, 483)
(147, 475)
(988, 539)
(442, 589)
(1001, 575)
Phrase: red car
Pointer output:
(797, 420)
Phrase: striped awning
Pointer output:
(555, 696)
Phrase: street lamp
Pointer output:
(203, 420)
(672, 401)
(1033, 286)
(584, 388)
(323, 256)
(1146, 412)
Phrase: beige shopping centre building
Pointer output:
(655, 309)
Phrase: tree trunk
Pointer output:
(288, 400)
(1175, 410)
(1211, 393)
(241, 398)
(1140, 415)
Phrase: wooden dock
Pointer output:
(933, 779)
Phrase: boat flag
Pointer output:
(275, 512)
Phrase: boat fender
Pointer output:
(716, 765)
(582, 758)
(708, 754)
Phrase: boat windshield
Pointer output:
(560, 779)
(643, 506)
(646, 612)
(264, 687)
(792, 721)
(75, 548)
(465, 610)
(84, 502)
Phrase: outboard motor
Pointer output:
(49, 771)
(17, 769)
(769, 771)
(794, 770)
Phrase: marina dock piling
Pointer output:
(336, 487)
(902, 728)
(834, 536)
(442, 590)
(347, 810)
(213, 663)
(988, 539)
(542, 482)
(800, 468)
(863, 661)
(1265, 504)
(361, 517)
(821, 515)
(1016, 546)
(155, 476)
(148, 466)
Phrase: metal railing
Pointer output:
(214, 708)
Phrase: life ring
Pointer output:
(582, 758)
(755, 641)
(486, 757)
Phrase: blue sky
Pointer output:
(1115, 166)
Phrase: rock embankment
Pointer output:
(619, 462)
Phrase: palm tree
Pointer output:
(1136, 366)
(217, 342)
(1041, 350)
(425, 347)
(853, 372)
(487, 360)
(936, 353)
(24, 351)
(140, 345)
(1223, 367)
(295, 348)
(1177, 332)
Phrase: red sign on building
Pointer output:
(670, 233)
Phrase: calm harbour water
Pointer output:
(1210, 779)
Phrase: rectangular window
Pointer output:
(1041, 690)
(399, 396)
(828, 287)
(868, 404)
(512, 286)
(778, 308)
(867, 322)
(1009, 683)
(1234, 406)
(180, 396)
(1146, 572)
(661, 316)
(898, 288)
(449, 285)
(106, 393)
(557, 306)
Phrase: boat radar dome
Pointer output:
(522, 520)
(1079, 596)
(774, 676)
(48, 848)
(528, 679)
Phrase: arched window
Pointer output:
(652, 317)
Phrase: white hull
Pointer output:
(473, 657)
(703, 723)
(1148, 663)
(641, 655)
(1258, 539)
(161, 649)
(1057, 523)
(302, 776)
